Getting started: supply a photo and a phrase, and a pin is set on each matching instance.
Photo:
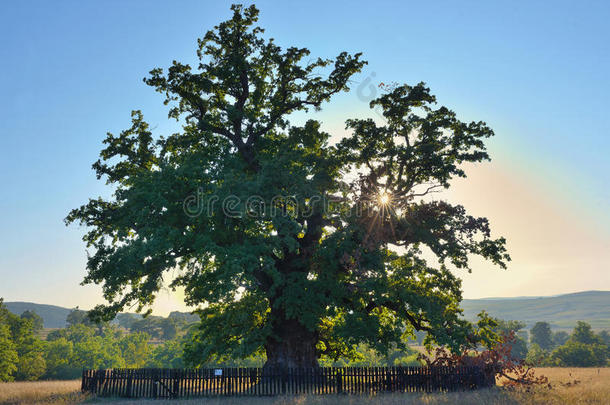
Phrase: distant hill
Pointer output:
(55, 317)
(561, 311)
(52, 315)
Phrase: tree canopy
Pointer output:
(288, 243)
(541, 335)
(21, 352)
(583, 349)
(37, 322)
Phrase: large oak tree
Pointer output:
(287, 243)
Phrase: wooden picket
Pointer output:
(185, 383)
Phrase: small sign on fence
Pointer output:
(218, 372)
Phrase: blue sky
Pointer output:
(537, 72)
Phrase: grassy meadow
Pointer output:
(41, 392)
(570, 386)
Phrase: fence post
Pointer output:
(129, 384)
(339, 382)
(176, 386)
(284, 371)
(96, 381)
(388, 382)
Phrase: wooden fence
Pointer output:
(184, 383)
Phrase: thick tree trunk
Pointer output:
(293, 346)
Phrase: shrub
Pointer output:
(496, 361)
(578, 354)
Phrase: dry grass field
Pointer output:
(570, 386)
(41, 392)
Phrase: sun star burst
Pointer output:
(384, 198)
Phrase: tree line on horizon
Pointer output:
(158, 342)
(131, 342)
